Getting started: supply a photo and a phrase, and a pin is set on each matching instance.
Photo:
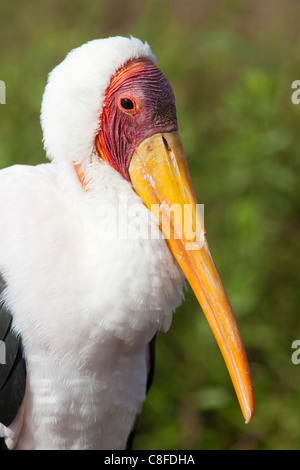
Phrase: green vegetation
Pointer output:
(231, 65)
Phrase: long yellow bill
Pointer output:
(159, 174)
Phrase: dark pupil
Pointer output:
(126, 103)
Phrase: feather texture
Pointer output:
(86, 304)
(85, 283)
(74, 94)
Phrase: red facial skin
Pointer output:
(153, 111)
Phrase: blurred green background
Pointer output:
(231, 65)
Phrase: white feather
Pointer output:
(74, 94)
(86, 307)
(86, 301)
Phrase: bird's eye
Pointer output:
(127, 104)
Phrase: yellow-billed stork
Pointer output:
(87, 276)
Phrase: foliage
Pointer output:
(231, 65)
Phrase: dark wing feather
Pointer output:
(151, 362)
(151, 365)
(12, 369)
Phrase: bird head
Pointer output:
(108, 101)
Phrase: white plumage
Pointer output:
(89, 278)
(86, 305)
(74, 94)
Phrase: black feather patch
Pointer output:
(12, 369)
(151, 362)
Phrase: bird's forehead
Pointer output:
(140, 75)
